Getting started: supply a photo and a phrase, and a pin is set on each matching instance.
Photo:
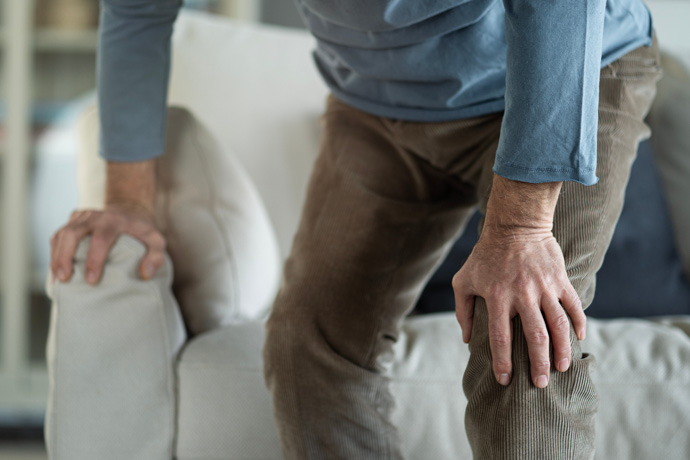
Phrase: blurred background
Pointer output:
(47, 69)
(47, 59)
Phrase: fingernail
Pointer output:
(563, 364)
(541, 382)
(504, 379)
(148, 270)
(90, 277)
(61, 274)
(581, 334)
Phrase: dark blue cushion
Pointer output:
(641, 275)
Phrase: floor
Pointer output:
(22, 451)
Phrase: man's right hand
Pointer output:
(105, 227)
(129, 209)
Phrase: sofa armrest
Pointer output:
(111, 356)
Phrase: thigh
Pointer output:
(376, 222)
(586, 216)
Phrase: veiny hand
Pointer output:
(520, 275)
(105, 227)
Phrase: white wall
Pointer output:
(672, 23)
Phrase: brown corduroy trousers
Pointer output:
(386, 200)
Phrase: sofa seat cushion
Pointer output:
(642, 373)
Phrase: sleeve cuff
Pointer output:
(545, 174)
(131, 152)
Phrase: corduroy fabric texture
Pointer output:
(386, 200)
(520, 420)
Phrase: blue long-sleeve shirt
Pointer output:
(442, 60)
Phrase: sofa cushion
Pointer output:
(219, 236)
(642, 375)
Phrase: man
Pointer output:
(533, 110)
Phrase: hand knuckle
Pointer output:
(456, 282)
(541, 363)
(561, 323)
(499, 338)
(523, 281)
(538, 336)
(495, 294)
(70, 231)
(92, 265)
(548, 281)
(502, 364)
(110, 221)
(157, 239)
(562, 351)
(100, 238)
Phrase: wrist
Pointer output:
(131, 187)
(521, 208)
(130, 207)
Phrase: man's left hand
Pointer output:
(518, 268)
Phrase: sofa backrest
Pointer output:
(257, 90)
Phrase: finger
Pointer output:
(464, 306)
(101, 243)
(67, 243)
(74, 217)
(500, 342)
(572, 304)
(77, 216)
(151, 263)
(559, 329)
(155, 243)
(537, 337)
(464, 311)
(53, 248)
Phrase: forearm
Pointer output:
(521, 208)
(553, 60)
(133, 71)
(131, 186)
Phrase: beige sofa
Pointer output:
(171, 368)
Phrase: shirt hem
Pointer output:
(419, 115)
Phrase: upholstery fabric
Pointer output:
(220, 238)
(111, 355)
(641, 374)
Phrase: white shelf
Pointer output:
(59, 40)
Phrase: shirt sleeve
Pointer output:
(133, 69)
(549, 130)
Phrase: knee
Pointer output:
(287, 344)
(308, 340)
